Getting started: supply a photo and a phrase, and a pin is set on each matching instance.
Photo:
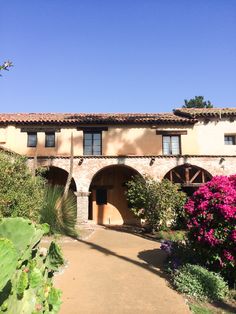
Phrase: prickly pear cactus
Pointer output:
(54, 257)
(35, 278)
(54, 299)
(8, 261)
(25, 305)
(22, 283)
(26, 270)
(22, 232)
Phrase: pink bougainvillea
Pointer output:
(212, 223)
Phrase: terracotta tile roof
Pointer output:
(99, 118)
(194, 113)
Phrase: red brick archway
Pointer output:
(190, 177)
(108, 204)
(58, 176)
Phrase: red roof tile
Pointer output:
(193, 113)
(95, 118)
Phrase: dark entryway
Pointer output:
(108, 204)
(190, 177)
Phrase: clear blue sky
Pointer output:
(116, 55)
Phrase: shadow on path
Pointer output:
(153, 258)
(134, 230)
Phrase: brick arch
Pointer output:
(136, 172)
(107, 201)
(58, 176)
(189, 176)
(90, 167)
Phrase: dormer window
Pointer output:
(32, 139)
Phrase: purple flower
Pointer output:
(167, 246)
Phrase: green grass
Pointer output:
(173, 235)
(199, 309)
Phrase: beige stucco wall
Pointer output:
(210, 137)
(201, 139)
(12, 138)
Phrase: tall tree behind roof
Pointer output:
(5, 66)
(197, 102)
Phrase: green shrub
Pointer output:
(21, 194)
(198, 282)
(172, 235)
(59, 213)
(159, 203)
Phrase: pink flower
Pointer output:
(228, 255)
(210, 238)
(233, 235)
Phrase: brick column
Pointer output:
(82, 206)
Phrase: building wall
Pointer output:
(131, 146)
(201, 139)
(85, 169)
(210, 137)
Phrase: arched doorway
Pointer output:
(190, 177)
(58, 176)
(108, 204)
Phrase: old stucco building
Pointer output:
(188, 146)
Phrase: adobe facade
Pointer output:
(187, 147)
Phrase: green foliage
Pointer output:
(59, 212)
(8, 261)
(172, 235)
(22, 283)
(5, 66)
(28, 287)
(54, 299)
(54, 258)
(197, 102)
(199, 309)
(159, 203)
(200, 283)
(21, 194)
(35, 277)
(23, 233)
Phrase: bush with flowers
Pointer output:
(212, 225)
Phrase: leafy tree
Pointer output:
(5, 66)
(21, 194)
(197, 102)
(159, 203)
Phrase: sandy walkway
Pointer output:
(116, 272)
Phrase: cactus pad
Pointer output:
(8, 261)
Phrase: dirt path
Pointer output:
(116, 272)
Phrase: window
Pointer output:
(50, 139)
(92, 143)
(171, 144)
(101, 196)
(32, 139)
(230, 140)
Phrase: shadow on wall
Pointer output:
(58, 176)
(111, 181)
(138, 141)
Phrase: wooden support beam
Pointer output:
(194, 177)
